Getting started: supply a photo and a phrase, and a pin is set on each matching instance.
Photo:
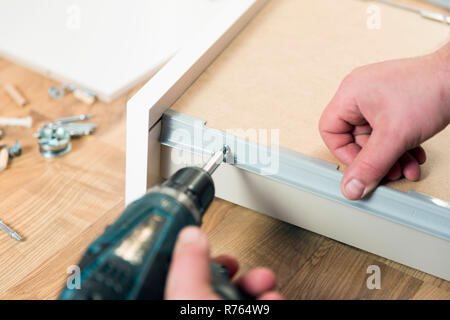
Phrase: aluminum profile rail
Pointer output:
(415, 210)
(442, 3)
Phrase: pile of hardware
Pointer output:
(54, 139)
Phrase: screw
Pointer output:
(15, 150)
(72, 119)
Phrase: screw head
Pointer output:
(54, 140)
(60, 133)
(56, 92)
(47, 132)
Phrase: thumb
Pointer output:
(189, 274)
(371, 164)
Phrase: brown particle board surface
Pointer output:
(282, 70)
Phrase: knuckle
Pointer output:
(348, 80)
(397, 134)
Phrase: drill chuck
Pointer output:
(195, 189)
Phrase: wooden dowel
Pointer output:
(15, 95)
(84, 96)
(4, 157)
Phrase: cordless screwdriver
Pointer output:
(130, 260)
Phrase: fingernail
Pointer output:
(190, 235)
(354, 189)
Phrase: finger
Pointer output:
(340, 119)
(372, 163)
(395, 172)
(362, 135)
(420, 154)
(272, 295)
(365, 130)
(229, 262)
(361, 140)
(257, 281)
(189, 274)
(410, 167)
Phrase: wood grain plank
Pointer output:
(258, 240)
(310, 266)
(430, 292)
(47, 280)
(52, 203)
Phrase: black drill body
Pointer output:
(130, 260)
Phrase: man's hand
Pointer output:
(381, 114)
(189, 276)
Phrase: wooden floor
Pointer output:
(60, 206)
